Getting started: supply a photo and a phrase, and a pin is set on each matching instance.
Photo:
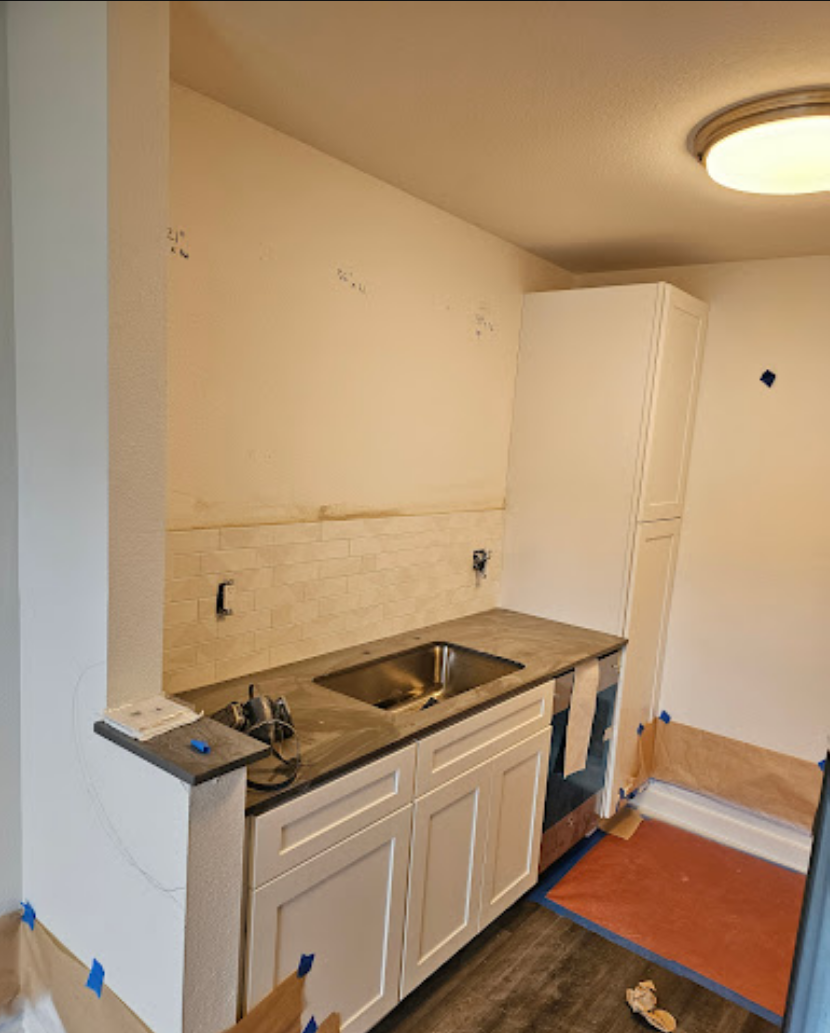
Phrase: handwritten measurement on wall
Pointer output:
(347, 277)
(484, 326)
(176, 242)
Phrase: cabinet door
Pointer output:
(655, 558)
(514, 834)
(673, 406)
(346, 907)
(445, 876)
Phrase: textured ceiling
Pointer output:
(559, 126)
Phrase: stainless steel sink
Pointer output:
(418, 678)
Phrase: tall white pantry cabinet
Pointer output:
(604, 415)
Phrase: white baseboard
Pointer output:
(723, 823)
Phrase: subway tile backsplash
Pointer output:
(301, 590)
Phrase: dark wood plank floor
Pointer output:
(535, 972)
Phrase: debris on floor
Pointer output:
(623, 825)
(643, 1001)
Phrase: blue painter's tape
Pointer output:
(200, 746)
(823, 764)
(306, 961)
(665, 717)
(769, 378)
(312, 1026)
(29, 916)
(95, 982)
(641, 730)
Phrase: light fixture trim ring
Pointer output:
(771, 107)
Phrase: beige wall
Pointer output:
(139, 91)
(337, 348)
(342, 365)
(751, 611)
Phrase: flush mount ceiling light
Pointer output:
(776, 144)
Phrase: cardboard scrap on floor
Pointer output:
(623, 825)
(281, 1012)
(44, 984)
(643, 1002)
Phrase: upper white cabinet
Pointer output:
(673, 403)
(604, 418)
(603, 423)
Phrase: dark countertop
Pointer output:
(174, 753)
(338, 734)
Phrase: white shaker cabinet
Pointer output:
(475, 851)
(604, 415)
(679, 357)
(449, 841)
(383, 891)
(655, 557)
(517, 804)
(346, 906)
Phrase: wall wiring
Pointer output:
(100, 809)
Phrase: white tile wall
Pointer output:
(306, 589)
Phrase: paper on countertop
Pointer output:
(581, 717)
(148, 718)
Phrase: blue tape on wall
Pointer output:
(823, 764)
(312, 1026)
(199, 746)
(665, 717)
(29, 916)
(641, 730)
(769, 378)
(95, 982)
(306, 961)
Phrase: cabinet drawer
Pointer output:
(474, 740)
(302, 828)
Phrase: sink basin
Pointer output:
(418, 678)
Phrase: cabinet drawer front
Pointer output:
(346, 907)
(302, 828)
(474, 740)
